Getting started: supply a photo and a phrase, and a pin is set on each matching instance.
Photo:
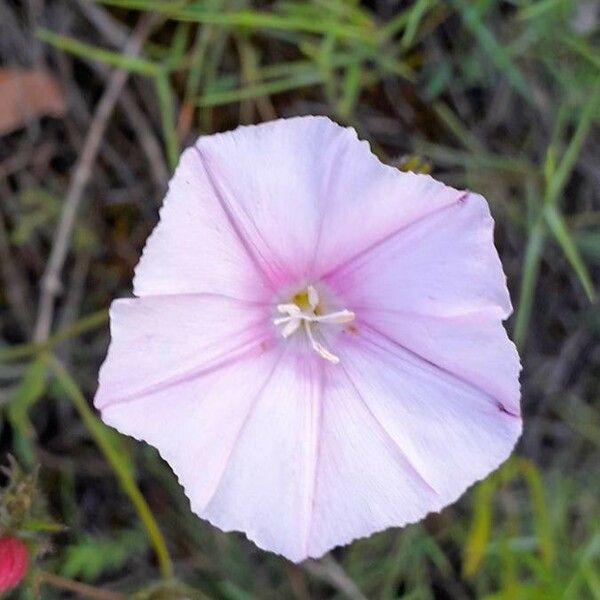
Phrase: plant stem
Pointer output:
(87, 323)
(81, 589)
(101, 436)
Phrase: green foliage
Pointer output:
(29, 391)
(502, 97)
(38, 210)
(169, 591)
(110, 444)
(92, 557)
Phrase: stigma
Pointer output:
(305, 312)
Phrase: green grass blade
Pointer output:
(495, 51)
(584, 50)
(249, 19)
(83, 325)
(540, 8)
(29, 391)
(481, 526)
(557, 178)
(130, 64)
(102, 436)
(540, 510)
(351, 88)
(454, 124)
(167, 118)
(344, 9)
(557, 226)
(266, 88)
(414, 18)
(531, 266)
(562, 173)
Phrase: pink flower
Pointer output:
(316, 344)
(13, 562)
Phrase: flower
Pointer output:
(13, 562)
(316, 345)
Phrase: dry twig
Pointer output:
(330, 571)
(50, 284)
(81, 589)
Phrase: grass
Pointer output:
(499, 97)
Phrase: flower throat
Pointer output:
(305, 310)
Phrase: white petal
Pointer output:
(195, 423)
(444, 264)
(195, 248)
(160, 340)
(399, 438)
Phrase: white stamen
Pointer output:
(290, 327)
(319, 348)
(342, 316)
(313, 297)
(296, 316)
(288, 308)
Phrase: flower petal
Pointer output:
(370, 203)
(272, 178)
(398, 439)
(444, 264)
(195, 248)
(307, 194)
(302, 455)
(195, 423)
(264, 206)
(473, 347)
(240, 442)
(267, 491)
(159, 340)
(266, 436)
(438, 290)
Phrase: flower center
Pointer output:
(306, 311)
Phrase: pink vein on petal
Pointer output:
(422, 359)
(365, 251)
(243, 426)
(246, 349)
(400, 312)
(380, 425)
(208, 296)
(314, 457)
(332, 174)
(244, 240)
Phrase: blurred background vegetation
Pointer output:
(96, 102)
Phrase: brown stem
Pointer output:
(50, 283)
(81, 589)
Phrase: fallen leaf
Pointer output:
(27, 95)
